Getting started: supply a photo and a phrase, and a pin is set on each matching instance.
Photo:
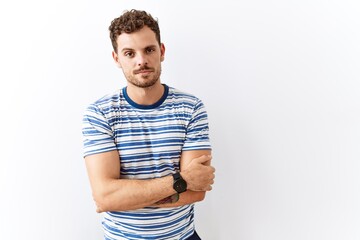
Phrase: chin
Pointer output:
(143, 84)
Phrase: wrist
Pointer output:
(186, 176)
(179, 184)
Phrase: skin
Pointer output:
(139, 56)
(137, 51)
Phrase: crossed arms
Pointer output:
(114, 194)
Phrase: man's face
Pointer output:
(139, 56)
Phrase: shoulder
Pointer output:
(183, 96)
(110, 99)
(106, 103)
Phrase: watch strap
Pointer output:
(176, 176)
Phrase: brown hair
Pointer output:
(132, 21)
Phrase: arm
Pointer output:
(197, 135)
(114, 194)
(190, 196)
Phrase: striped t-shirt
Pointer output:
(149, 139)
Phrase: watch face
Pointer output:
(180, 186)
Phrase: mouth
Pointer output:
(143, 71)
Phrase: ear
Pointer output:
(162, 51)
(116, 59)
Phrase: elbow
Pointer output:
(101, 202)
(200, 196)
(106, 202)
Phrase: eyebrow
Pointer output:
(127, 49)
(131, 49)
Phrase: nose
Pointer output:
(141, 60)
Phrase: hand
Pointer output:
(198, 174)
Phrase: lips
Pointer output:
(147, 70)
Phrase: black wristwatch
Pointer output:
(180, 184)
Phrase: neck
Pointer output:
(145, 96)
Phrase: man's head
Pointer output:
(135, 37)
(132, 21)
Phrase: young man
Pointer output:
(146, 146)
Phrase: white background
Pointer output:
(280, 81)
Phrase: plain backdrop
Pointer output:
(281, 83)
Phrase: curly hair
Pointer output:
(132, 21)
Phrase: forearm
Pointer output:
(189, 196)
(185, 198)
(111, 193)
(126, 194)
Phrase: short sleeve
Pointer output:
(98, 136)
(197, 133)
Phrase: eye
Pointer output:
(150, 50)
(128, 54)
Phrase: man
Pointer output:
(146, 146)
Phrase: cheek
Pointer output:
(125, 65)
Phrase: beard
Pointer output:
(146, 81)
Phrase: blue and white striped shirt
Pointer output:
(149, 139)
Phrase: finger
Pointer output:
(207, 163)
(203, 159)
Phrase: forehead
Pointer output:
(137, 40)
